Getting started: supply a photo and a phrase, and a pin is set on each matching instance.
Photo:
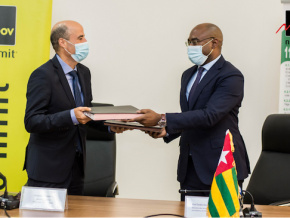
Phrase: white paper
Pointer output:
(51, 199)
(195, 206)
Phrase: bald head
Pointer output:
(209, 37)
(207, 30)
(62, 29)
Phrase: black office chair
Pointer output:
(100, 162)
(270, 180)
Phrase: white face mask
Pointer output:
(81, 51)
(195, 54)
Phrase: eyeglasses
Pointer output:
(195, 41)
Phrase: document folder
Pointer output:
(124, 112)
(132, 125)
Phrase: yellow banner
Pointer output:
(24, 46)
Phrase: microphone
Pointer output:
(252, 211)
(8, 201)
(184, 191)
(4, 185)
(247, 212)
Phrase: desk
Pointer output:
(81, 206)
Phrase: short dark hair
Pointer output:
(61, 31)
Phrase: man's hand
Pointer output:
(118, 129)
(83, 119)
(150, 117)
(156, 135)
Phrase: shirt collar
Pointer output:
(210, 64)
(65, 67)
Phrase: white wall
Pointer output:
(137, 57)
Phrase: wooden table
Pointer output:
(81, 206)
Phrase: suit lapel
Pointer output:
(63, 80)
(213, 71)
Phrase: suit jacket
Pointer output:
(53, 136)
(202, 125)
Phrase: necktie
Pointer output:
(199, 73)
(76, 89)
(78, 101)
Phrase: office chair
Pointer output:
(270, 180)
(100, 162)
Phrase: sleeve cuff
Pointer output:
(73, 117)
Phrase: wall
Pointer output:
(137, 57)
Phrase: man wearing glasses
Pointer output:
(210, 97)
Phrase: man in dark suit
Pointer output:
(210, 98)
(58, 92)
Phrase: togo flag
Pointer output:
(224, 195)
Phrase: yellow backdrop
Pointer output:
(31, 49)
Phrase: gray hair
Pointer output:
(61, 31)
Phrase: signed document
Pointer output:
(132, 125)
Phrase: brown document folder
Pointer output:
(132, 125)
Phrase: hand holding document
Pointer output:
(79, 113)
(118, 129)
(156, 135)
(148, 117)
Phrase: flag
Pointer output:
(224, 195)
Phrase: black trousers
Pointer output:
(74, 183)
(192, 182)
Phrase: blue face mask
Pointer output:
(195, 54)
(81, 51)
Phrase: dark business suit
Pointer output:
(51, 150)
(202, 125)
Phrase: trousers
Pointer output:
(74, 183)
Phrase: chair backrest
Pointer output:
(270, 180)
(100, 162)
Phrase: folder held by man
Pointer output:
(124, 112)
(133, 125)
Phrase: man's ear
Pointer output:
(62, 42)
(215, 43)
